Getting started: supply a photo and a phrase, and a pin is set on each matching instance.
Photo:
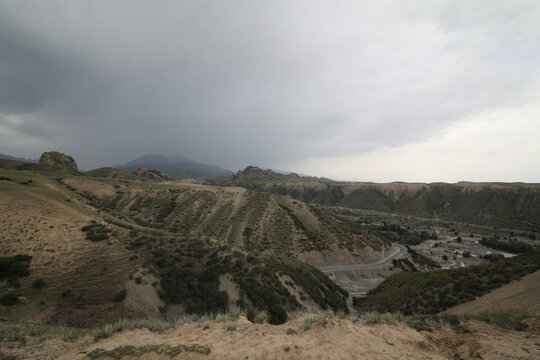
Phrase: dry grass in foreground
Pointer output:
(308, 334)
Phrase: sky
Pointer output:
(350, 90)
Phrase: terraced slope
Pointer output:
(253, 221)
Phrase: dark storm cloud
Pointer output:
(252, 82)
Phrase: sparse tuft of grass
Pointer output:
(129, 324)
(7, 357)
(373, 317)
(230, 326)
(319, 318)
(10, 331)
(291, 331)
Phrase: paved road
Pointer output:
(378, 265)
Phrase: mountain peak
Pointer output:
(178, 167)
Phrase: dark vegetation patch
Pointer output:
(423, 260)
(38, 283)
(96, 232)
(511, 246)
(436, 291)
(14, 266)
(138, 351)
(402, 235)
(349, 233)
(190, 276)
(420, 260)
(9, 299)
(120, 296)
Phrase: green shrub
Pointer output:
(14, 266)
(250, 315)
(278, 315)
(9, 299)
(120, 296)
(96, 232)
(433, 292)
(38, 283)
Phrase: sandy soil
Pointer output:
(521, 295)
(338, 339)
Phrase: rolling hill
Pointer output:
(99, 248)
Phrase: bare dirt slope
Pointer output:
(38, 220)
(338, 339)
(521, 295)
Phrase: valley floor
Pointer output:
(337, 339)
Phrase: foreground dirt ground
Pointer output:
(337, 339)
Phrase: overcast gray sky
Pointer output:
(355, 90)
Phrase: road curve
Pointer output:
(378, 265)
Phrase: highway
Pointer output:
(378, 265)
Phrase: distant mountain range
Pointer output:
(178, 167)
(9, 157)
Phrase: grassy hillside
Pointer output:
(111, 173)
(96, 248)
(511, 205)
(433, 292)
(57, 171)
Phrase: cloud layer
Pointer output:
(279, 84)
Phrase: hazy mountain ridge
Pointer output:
(9, 157)
(512, 205)
(178, 167)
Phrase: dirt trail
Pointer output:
(338, 339)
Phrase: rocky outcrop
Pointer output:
(55, 158)
(153, 174)
(255, 172)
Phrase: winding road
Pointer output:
(378, 265)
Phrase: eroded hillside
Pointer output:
(102, 248)
(511, 205)
(254, 221)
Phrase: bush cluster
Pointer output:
(96, 232)
(512, 246)
(401, 235)
(432, 292)
(14, 266)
